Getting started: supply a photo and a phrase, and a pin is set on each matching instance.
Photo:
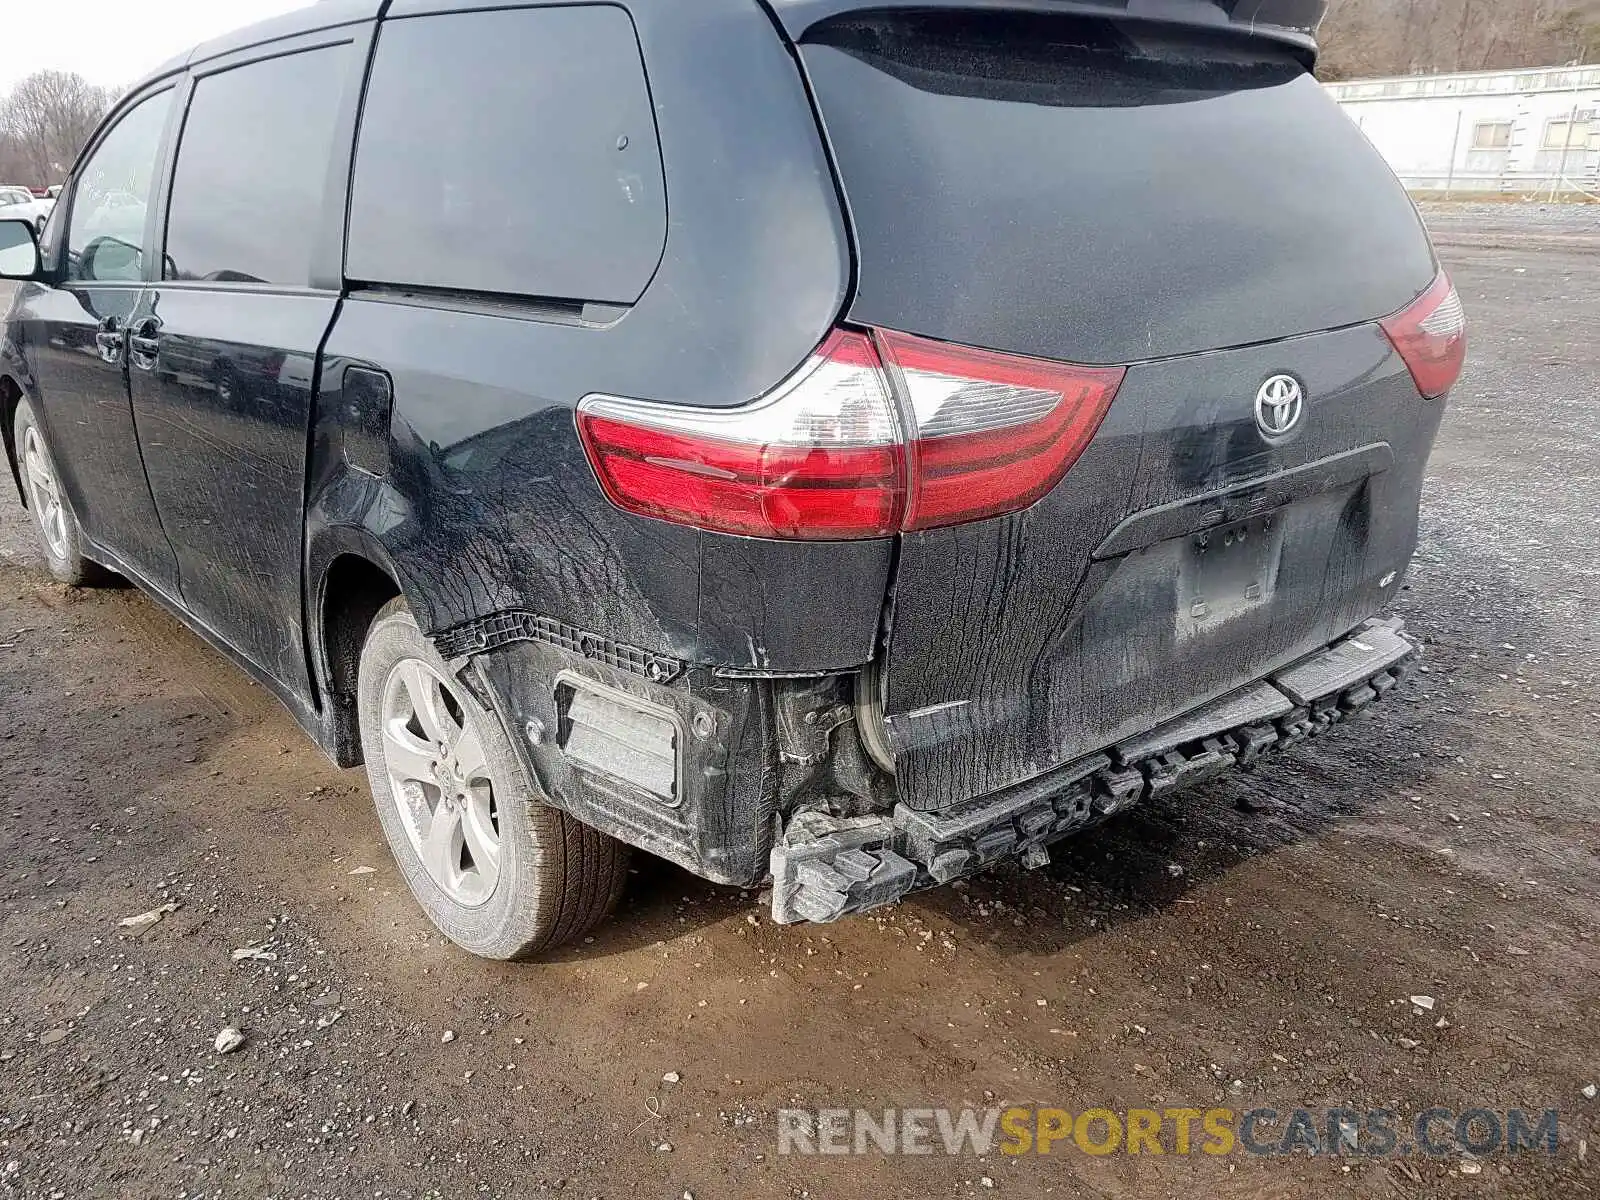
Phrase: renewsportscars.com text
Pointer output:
(1263, 1131)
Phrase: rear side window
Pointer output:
(247, 195)
(509, 152)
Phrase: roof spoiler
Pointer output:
(1291, 22)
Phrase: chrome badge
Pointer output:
(1279, 406)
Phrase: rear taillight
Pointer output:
(993, 432)
(831, 454)
(1431, 335)
(819, 457)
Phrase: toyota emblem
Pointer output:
(1279, 405)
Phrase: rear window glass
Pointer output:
(1101, 192)
(509, 152)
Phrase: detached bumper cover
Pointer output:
(824, 869)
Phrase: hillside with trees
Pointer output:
(1404, 37)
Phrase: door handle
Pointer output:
(144, 343)
(108, 340)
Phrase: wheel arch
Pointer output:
(352, 578)
(10, 397)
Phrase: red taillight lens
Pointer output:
(1431, 335)
(819, 457)
(829, 454)
(993, 432)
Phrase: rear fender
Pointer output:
(326, 544)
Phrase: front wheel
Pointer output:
(496, 868)
(54, 522)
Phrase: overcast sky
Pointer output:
(113, 42)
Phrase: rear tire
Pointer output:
(498, 870)
(55, 525)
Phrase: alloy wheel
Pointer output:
(44, 494)
(439, 777)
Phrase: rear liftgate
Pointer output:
(1196, 591)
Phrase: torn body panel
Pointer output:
(687, 771)
(824, 869)
(694, 766)
(684, 772)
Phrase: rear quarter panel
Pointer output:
(489, 502)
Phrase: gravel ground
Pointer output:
(1250, 944)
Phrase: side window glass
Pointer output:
(247, 192)
(106, 240)
(510, 151)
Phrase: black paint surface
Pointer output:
(1051, 655)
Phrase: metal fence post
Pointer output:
(1566, 148)
(1455, 142)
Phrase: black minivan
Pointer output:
(845, 443)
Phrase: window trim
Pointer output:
(1568, 142)
(327, 247)
(1480, 126)
(57, 268)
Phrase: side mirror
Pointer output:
(109, 259)
(19, 250)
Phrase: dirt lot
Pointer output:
(1448, 845)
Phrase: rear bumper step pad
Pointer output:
(823, 869)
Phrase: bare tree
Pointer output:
(46, 119)
(13, 160)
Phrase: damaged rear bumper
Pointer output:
(825, 868)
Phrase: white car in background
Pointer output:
(18, 203)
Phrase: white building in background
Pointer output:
(1518, 132)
